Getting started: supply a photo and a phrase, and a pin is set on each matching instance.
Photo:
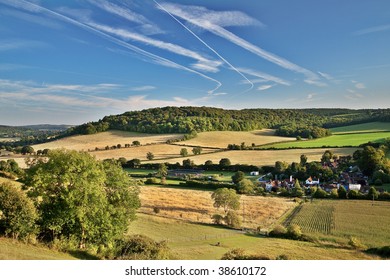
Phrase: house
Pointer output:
(254, 173)
(312, 182)
(355, 187)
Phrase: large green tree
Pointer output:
(81, 198)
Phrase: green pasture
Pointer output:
(339, 140)
(191, 241)
(362, 128)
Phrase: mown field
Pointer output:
(197, 206)
(191, 241)
(340, 219)
(221, 139)
(103, 139)
(262, 157)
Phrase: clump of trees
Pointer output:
(72, 198)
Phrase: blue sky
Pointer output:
(78, 60)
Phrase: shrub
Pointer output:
(151, 181)
(233, 220)
(217, 219)
(17, 212)
(294, 232)
(278, 231)
(384, 252)
(140, 247)
(239, 254)
(355, 243)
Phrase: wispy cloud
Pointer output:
(204, 63)
(34, 8)
(264, 87)
(375, 29)
(203, 17)
(146, 25)
(354, 96)
(8, 45)
(264, 76)
(143, 88)
(31, 18)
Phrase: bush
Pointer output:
(17, 212)
(355, 243)
(151, 181)
(378, 182)
(278, 231)
(383, 252)
(294, 232)
(239, 254)
(233, 220)
(217, 219)
(140, 247)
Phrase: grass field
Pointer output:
(16, 250)
(361, 128)
(340, 140)
(221, 139)
(189, 241)
(262, 157)
(175, 203)
(341, 219)
(101, 140)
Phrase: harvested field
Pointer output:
(175, 203)
(221, 139)
(103, 139)
(265, 157)
(160, 151)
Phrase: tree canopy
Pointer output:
(80, 197)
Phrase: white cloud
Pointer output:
(264, 87)
(143, 88)
(8, 45)
(375, 29)
(146, 25)
(360, 86)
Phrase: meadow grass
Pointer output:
(341, 140)
(15, 250)
(5, 180)
(361, 128)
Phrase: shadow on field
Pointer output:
(82, 255)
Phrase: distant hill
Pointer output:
(199, 119)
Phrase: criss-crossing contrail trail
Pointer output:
(208, 46)
(32, 7)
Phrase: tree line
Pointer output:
(200, 119)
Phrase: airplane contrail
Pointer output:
(32, 7)
(203, 42)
